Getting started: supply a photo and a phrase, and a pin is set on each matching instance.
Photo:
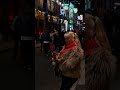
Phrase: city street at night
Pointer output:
(44, 74)
(60, 44)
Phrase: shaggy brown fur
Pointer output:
(100, 69)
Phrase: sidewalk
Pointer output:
(5, 45)
(37, 45)
(80, 84)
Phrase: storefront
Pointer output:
(53, 22)
(39, 15)
(50, 18)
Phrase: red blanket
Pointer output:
(68, 47)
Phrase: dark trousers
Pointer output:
(67, 82)
(41, 47)
(46, 47)
(27, 52)
(16, 45)
(58, 48)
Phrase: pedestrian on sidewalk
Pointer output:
(69, 60)
(24, 26)
(57, 40)
(15, 28)
(52, 47)
(46, 42)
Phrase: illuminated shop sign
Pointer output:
(65, 6)
(80, 17)
(75, 10)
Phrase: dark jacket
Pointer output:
(45, 36)
(56, 40)
(59, 40)
(24, 25)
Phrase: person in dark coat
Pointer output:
(24, 27)
(46, 41)
(116, 28)
(57, 41)
(14, 27)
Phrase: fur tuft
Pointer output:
(100, 69)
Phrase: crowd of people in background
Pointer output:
(94, 44)
(51, 41)
(69, 49)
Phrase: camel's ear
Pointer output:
(100, 33)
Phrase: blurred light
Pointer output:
(60, 3)
(66, 6)
(39, 11)
(81, 17)
(71, 5)
(57, 1)
(75, 10)
(78, 18)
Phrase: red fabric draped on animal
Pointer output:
(90, 44)
(68, 47)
